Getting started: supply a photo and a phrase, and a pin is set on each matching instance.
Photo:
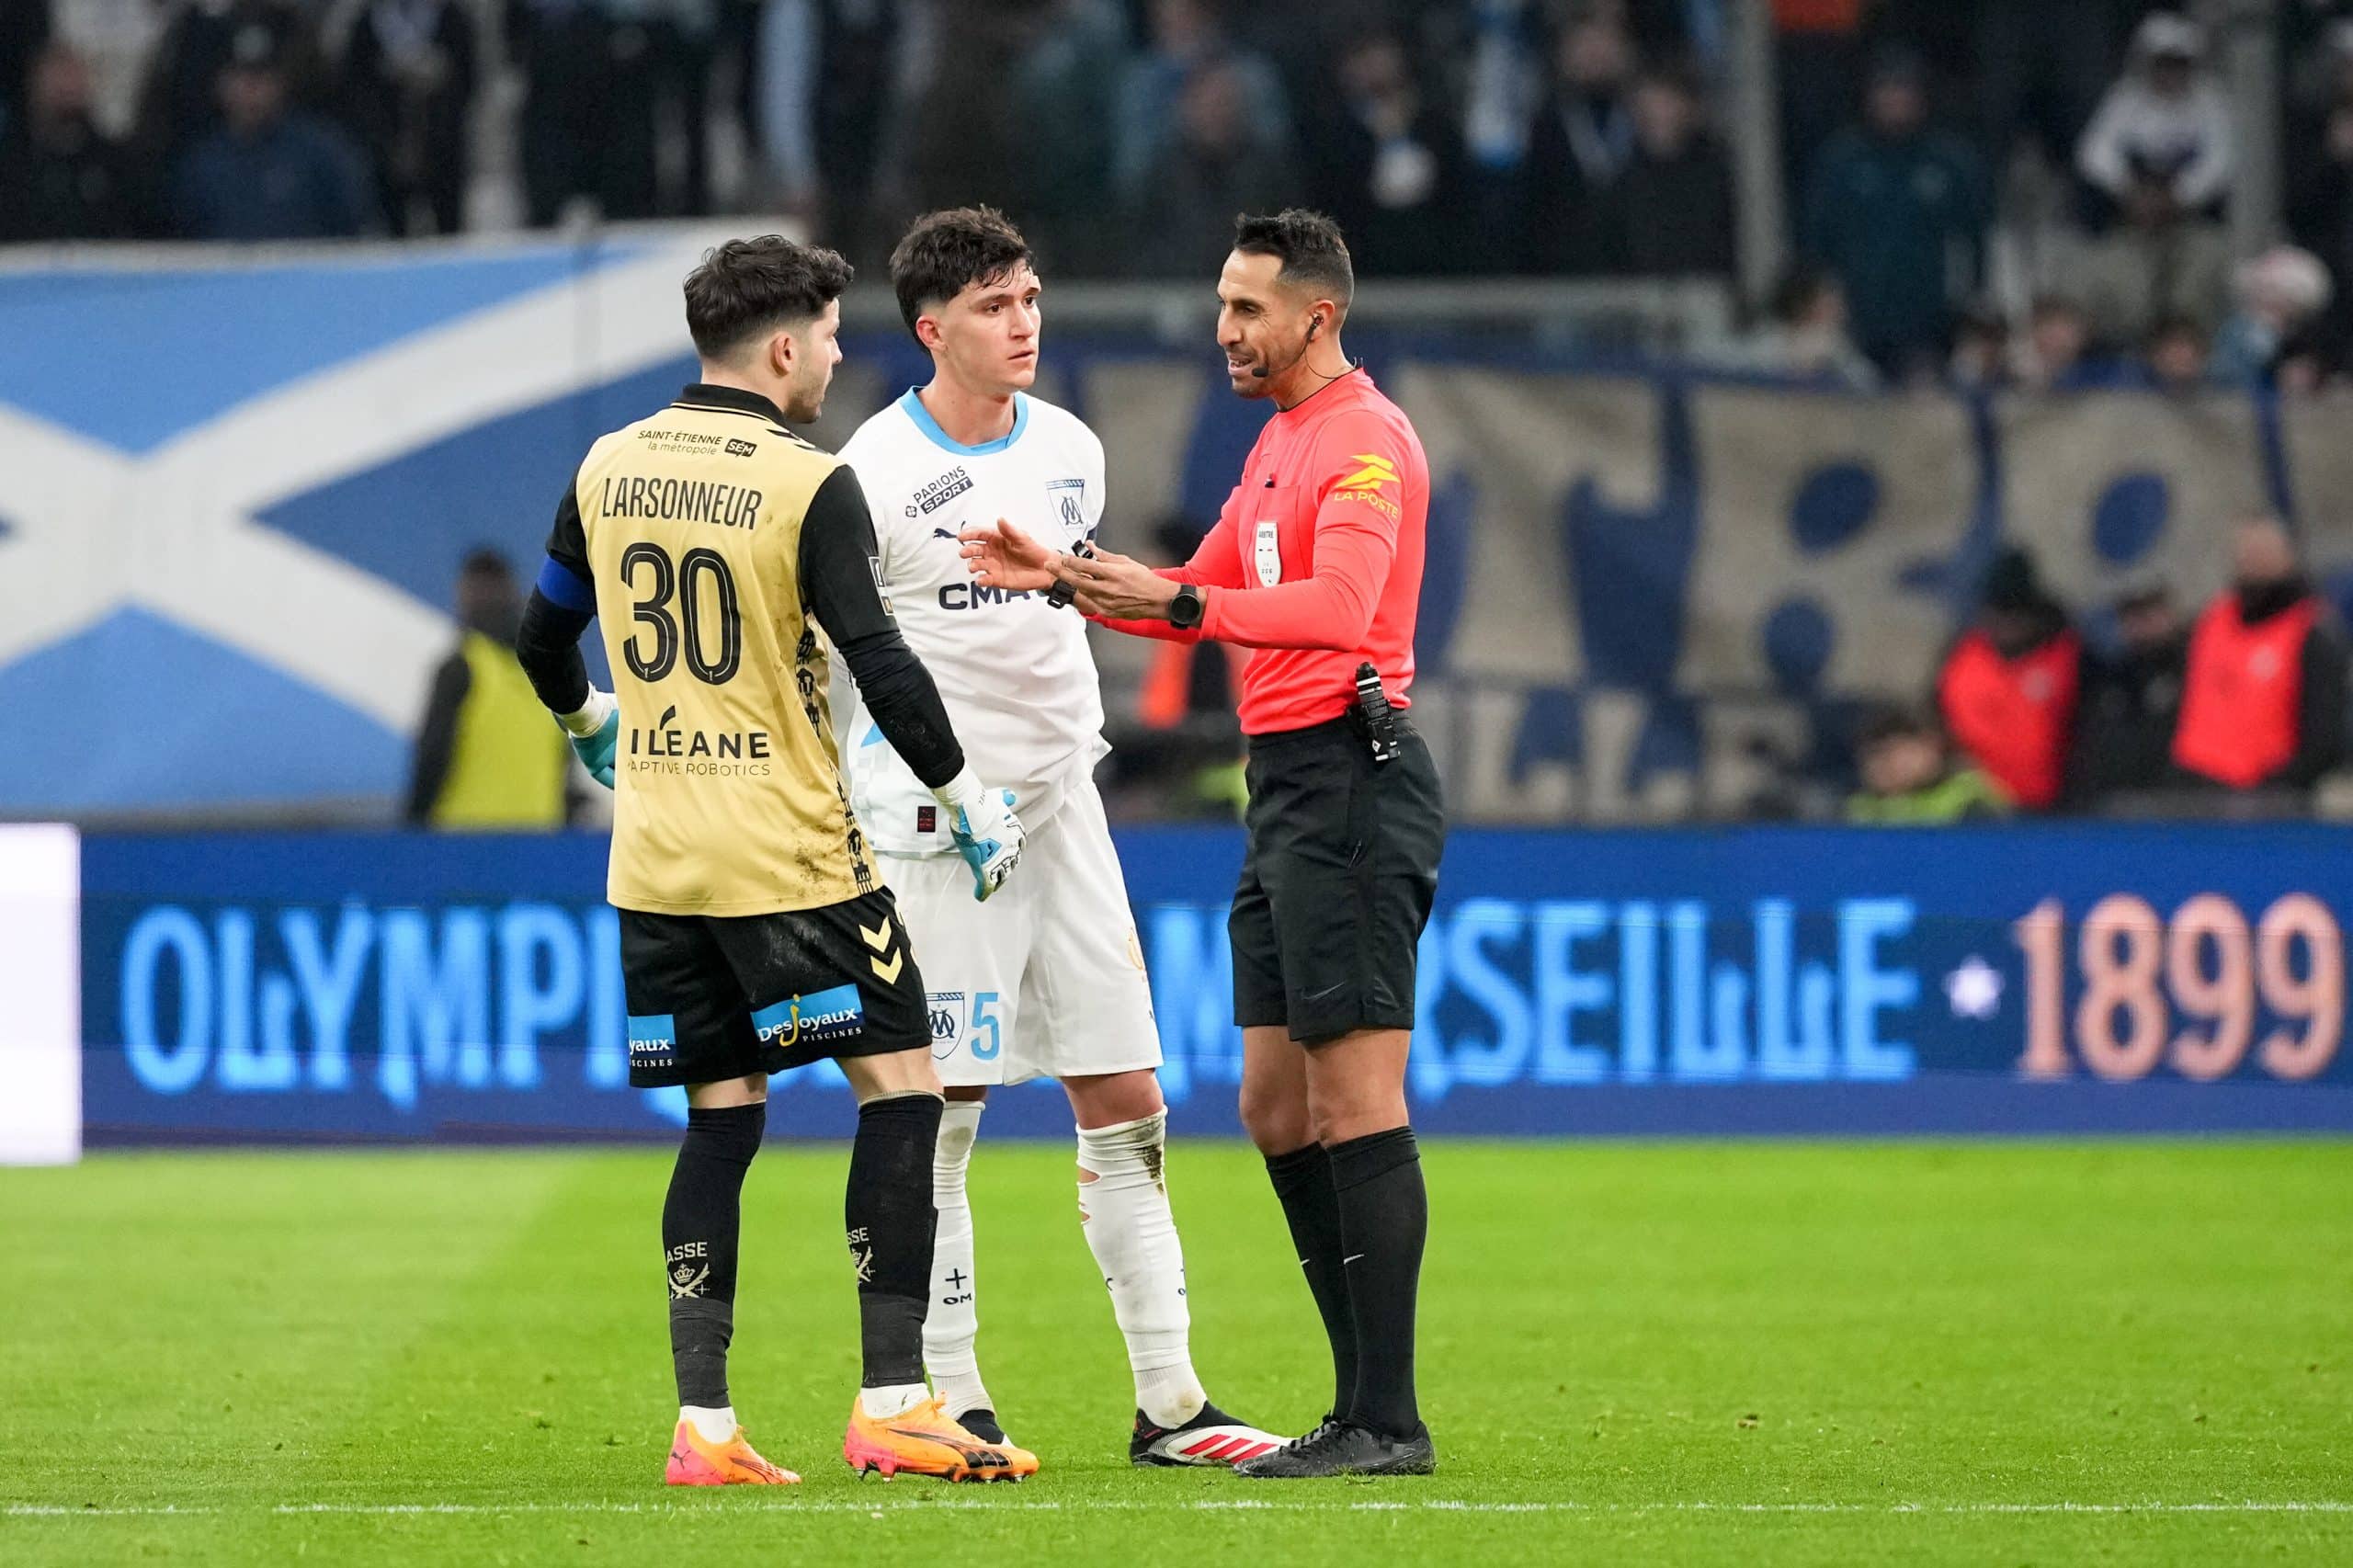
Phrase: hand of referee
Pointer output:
(1004, 557)
(1118, 587)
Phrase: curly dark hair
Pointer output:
(746, 287)
(1310, 246)
(945, 253)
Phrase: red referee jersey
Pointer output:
(1315, 564)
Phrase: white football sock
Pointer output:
(896, 1400)
(711, 1425)
(1123, 1207)
(952, 1323)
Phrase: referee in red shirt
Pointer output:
(1315, 566)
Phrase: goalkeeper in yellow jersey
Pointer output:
(713, 545)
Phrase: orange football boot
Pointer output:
(696, 1462)
(927, 1441)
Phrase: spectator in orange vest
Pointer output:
(2009, 687)
(2262, 707)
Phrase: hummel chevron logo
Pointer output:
(878, 938)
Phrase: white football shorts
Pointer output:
(1046, 979)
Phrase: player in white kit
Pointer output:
(1049, 979)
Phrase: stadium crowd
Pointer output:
(2137, 708)
(2008, 190)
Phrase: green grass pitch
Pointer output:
(1744, 1353)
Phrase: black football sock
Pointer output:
(1384, 1216)
(1303, 1180)
(891, 1218)
(700, 1220)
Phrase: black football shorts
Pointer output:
(1336, 884)
(713, 998)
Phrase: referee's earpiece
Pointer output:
(1314, 325)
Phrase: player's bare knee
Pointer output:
(1107, 1100)
(892, 1073)
(720, 1093)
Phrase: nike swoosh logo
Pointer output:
(1319, 995)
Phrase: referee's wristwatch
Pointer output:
(1186, 609)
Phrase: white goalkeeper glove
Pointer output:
(596, 733)
(987, 834)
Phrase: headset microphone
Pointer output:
(1315, 323)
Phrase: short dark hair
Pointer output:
(946, 252)
(751, 286)
(1896, 722)
(486, 561)
(1310, 246)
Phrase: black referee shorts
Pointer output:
(1336, 884)
(713, 998)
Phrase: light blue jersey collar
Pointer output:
(913, 404)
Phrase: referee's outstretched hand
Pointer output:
(1004, 557)
(1118, 587)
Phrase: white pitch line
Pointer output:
(1434, 1505)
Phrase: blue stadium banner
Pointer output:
(1770, 980)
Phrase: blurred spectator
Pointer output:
(2157, 163)
(486, 756)
(269, 172)
(2159, 150)
(1502, 76)
(1818, 58)
(2176, 358)
(1678, 189)
(1185, 38)
(827, 77)
(181, 105)
(24, 35)
(1066, 102)
(60, 177)
(1384, 165)
(1898, 212)
(682, 38)
(2132, 702)
(1805, 340)
(2279, 295)
(2263, 706)
(2058, 356)
(1912, 779)
(2320, 195)
(1220, 162)
(1981, 351)
(2008, 687)
(408, 85)
(1578, 149)
(116, 38)
(584, 138)
(2040, 71)
(962, 141)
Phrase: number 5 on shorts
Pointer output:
(985, 1020)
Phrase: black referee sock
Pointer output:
(700, 1222)
(1384, 1216)
(1303, 1180)
(890, 1217)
